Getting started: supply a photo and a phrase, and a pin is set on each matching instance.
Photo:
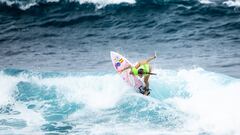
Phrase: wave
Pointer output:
(116, 14)
(26, 4)
(68, 13)
(184, 101)
(98, 4)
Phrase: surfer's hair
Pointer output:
(140, 71)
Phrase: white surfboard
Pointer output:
(119, 62)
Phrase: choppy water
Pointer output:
(56, 76)
(182, 102)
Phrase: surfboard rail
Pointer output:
(119, 62)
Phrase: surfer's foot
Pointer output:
(146, 91)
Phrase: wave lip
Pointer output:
(103, 3)
(24, 5)
(232, 3)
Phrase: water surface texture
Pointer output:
(56, 76)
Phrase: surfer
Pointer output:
(142, 69)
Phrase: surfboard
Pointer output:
(119, 62)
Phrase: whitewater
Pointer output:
(181, 102)
(26, 4)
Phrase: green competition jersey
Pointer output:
(145, 67)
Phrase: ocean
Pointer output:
(56, 75)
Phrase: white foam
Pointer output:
(94, 91)
(7, 86)
(214, 103)
(33, 119)
(212, 107)
(99, 3)
(23, 5)
(206, 1)
(232, 3)
(133, 128)
(103, 3)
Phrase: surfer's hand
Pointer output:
(155, 55)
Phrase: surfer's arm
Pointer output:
(145, 61)
(138, 65)
(151, 58)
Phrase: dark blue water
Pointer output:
(78, 37)
(56, 76)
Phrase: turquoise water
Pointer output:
(191, 101)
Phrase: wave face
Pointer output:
(181, 102)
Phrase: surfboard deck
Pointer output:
(119, 62)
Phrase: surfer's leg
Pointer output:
(146, 78)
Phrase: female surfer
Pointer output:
(142, 69)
